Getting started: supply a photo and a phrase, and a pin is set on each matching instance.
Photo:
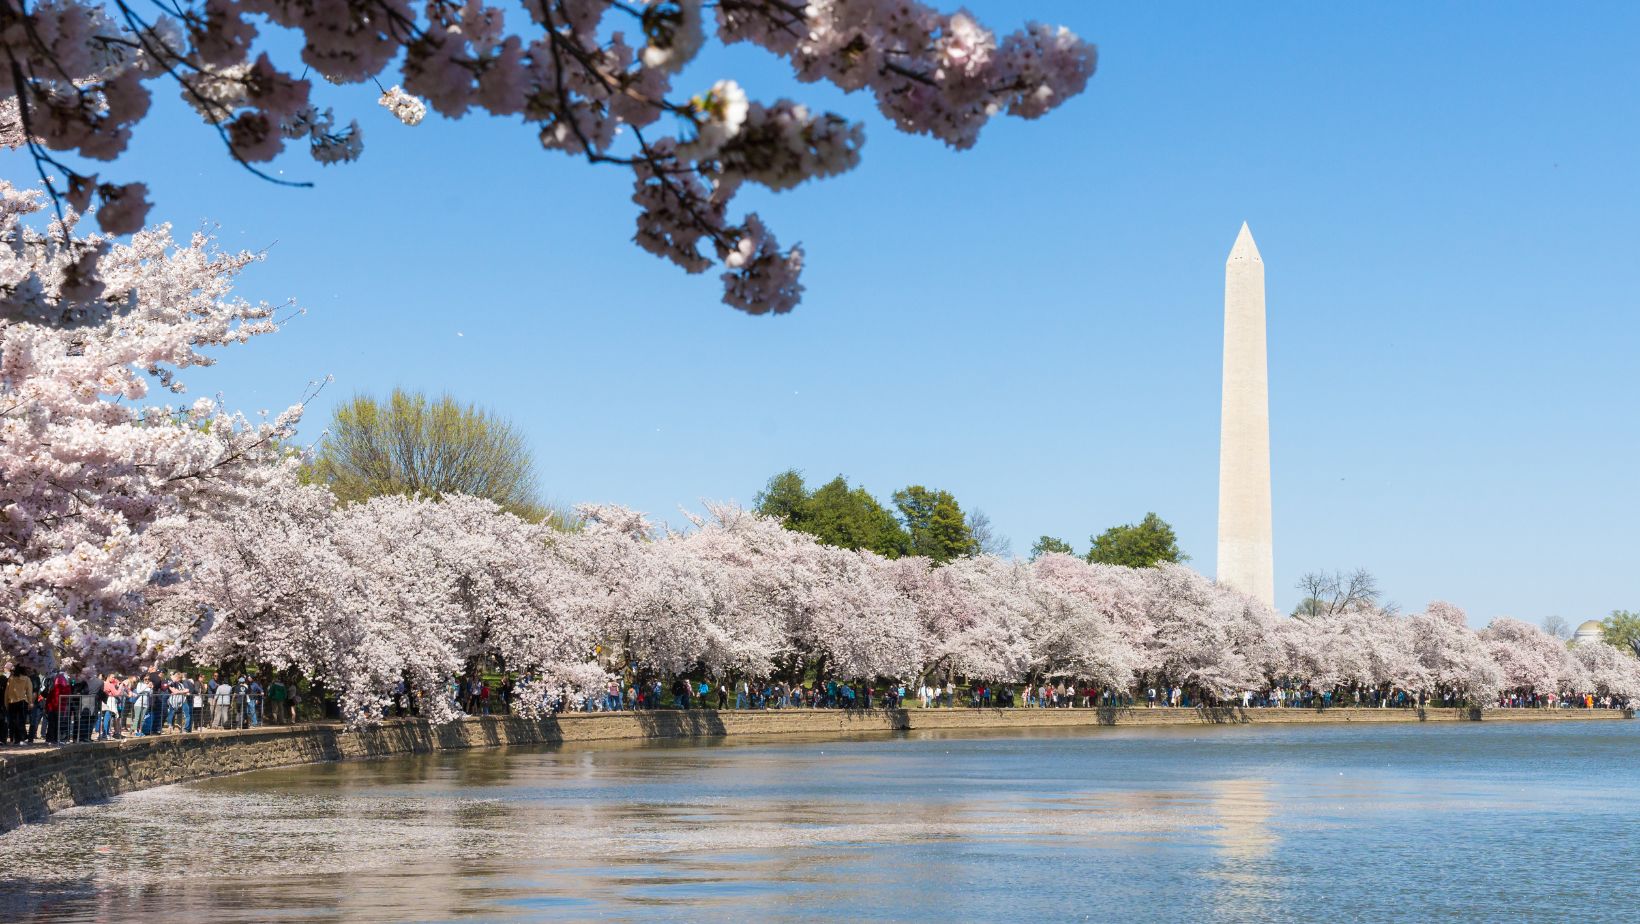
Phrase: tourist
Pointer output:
(55, 689)
(253, 702)
(108, 707)
(185, 687)
(276, 700)
(19, 698)
(196, 698)
(141, 700)
(221, 702)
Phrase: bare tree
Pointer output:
(1557, 627)
(1328, 593)
(985, 536)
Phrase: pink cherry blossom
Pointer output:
(590, 77)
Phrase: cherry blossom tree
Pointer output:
(1205, 636)
(1359, 646)
(392, 589)
(1531, 660)
(87, 464)
(977, 615)
(1607, 671)
(1089, 621)
(592, 78)
(1450, 658)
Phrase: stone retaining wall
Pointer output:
(33, 785)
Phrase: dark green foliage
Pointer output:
(935, 523)
(1050, 544)
(834, 513)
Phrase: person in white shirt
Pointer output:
(141, 699)
(221, 699)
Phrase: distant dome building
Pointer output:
(1590, 631)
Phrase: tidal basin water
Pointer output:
(1469, 822)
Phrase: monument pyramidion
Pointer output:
(1246, 559)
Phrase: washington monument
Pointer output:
(1245, 555)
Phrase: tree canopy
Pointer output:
(1621, 630)
(1137, 545)
(935, 523)
(1050, 545)
(412, 446)
(834, 513)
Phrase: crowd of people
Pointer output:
(56, 709)
(687, 693)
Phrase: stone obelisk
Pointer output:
(1245, 555)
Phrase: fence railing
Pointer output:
(80, 717)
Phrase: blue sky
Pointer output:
(1446, 202)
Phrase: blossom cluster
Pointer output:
(397, 588)
(88, 464)
(593, 77)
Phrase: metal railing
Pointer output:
(81, 717)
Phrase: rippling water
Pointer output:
(1335, 823)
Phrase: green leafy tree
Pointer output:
(834, 513)
(1137, 545)
(934, 521)
(413, 445)
(785, 498)
(1050, 545)
(852, 519)
(1622, 630)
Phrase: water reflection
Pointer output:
(1211, 824)
(1245, 842)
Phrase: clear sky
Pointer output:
(1445, 196)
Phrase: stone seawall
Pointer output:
(33, 785)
